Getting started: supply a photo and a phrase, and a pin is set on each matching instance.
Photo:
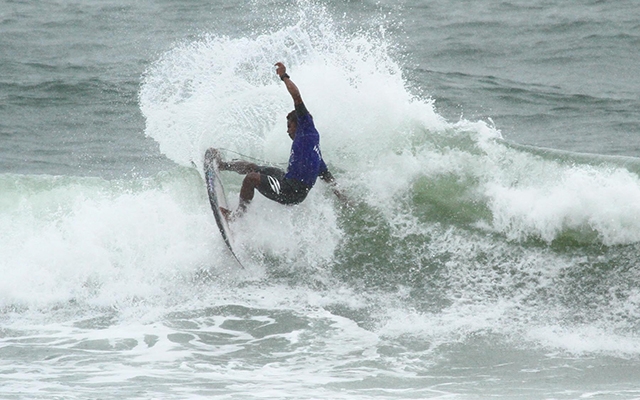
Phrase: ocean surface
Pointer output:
(490, 150)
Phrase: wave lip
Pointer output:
(223, 91)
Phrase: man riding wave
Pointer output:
(305, 161)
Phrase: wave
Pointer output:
(385, 142)
(79, 239)
(454, 229)
(454, 220)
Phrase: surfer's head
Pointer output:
(292, 124)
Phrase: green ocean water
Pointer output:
(490, 150)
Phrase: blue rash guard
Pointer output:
(305, 161)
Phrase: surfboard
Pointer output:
(217, 199)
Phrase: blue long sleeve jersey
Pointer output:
(305, 161)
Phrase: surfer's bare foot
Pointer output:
(215, 153)
(231, 216)
(227, 214)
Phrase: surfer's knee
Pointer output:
(251, 179)
(249, 184)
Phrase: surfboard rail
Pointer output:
(217, 199)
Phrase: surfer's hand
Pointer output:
(280, 69)
(343, 199)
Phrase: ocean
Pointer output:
(490, 151)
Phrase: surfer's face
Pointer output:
(291, 128)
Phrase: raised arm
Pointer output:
(281, 70)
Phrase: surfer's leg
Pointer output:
(247, 191)
(239, 166)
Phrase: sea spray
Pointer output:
(453, 229)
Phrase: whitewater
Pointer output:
(469, 265)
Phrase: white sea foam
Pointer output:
(93, 240)
(432, 287)
(223, 92)
(88, 246)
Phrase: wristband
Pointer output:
(285, 75)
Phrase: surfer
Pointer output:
(305, 161)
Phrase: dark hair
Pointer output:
(292, 116)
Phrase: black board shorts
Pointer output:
(274, 186)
